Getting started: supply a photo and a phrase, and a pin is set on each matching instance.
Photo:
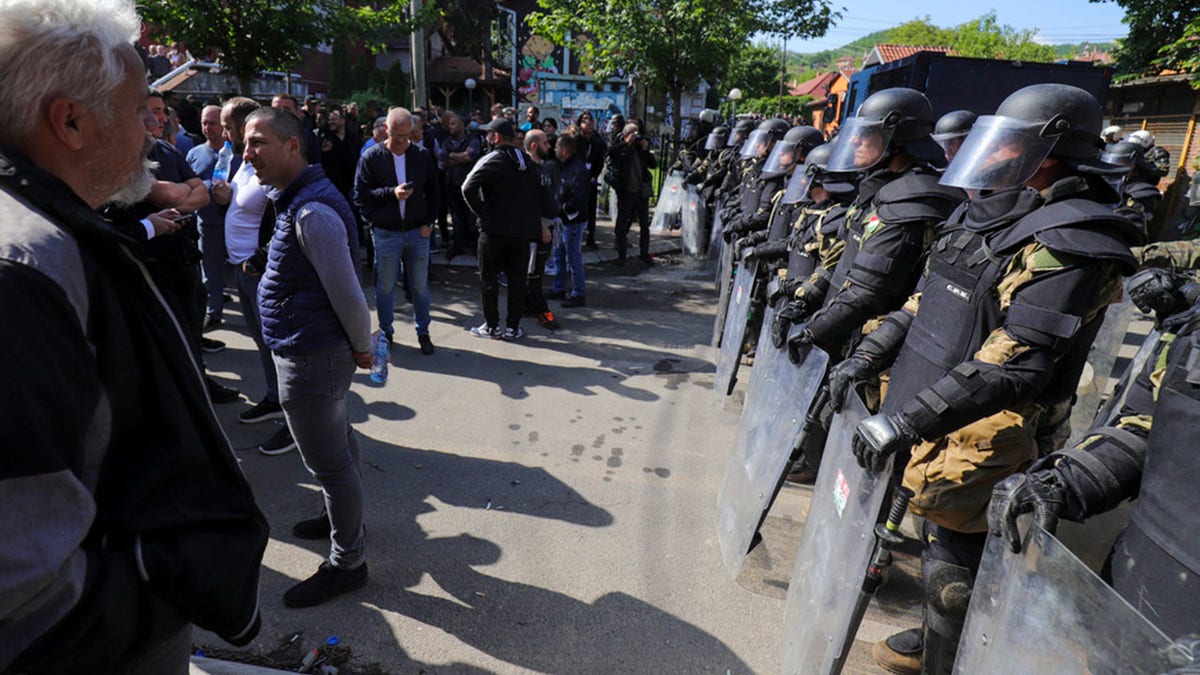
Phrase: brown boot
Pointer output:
(900, 653)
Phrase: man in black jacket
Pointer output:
(126, 516)
(568, 249)
(504, 190)
(592, 149)
(631, 161)
(397, 190)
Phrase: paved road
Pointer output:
(539, 506)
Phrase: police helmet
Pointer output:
(888, 118)
(1035, 122)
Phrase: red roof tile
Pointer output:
(815, 87)
(889, 52)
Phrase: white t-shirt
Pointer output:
(245, 213)
(401, 175)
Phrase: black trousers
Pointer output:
(630, 206)
(464, 221)
(535, 294)
(498, 253)
(593, 200)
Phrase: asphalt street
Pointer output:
(545, 505)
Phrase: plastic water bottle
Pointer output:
(224, 159)
(379, 362)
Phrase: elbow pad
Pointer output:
(1104, 472)
(883, 344)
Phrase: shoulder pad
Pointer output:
(1140, 190)
(916, 196)
(834, 220)
(1076, 226)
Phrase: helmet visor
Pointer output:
(756, 145)
(1000, 152)
(781, 160)
(859, 146)
(714, 142)
(797, 187)
(735, 138)
(1126, 159)
(950, 143)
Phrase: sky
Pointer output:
(1056, 21)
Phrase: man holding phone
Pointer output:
(397, 191)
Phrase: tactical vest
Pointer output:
(960, 304)
(297, 317)
(1168, 501)
(804, 248)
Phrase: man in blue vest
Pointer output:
(317, 324)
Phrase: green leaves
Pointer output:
(1156, 28)
(256, 35)
(983, 37)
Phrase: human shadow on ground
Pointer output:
(443, 583)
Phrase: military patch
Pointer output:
(873, 223)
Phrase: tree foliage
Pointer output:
(257, 35)
(1154, 25)
(755, 70)
(1182, 55)
(982, 37)
(671, 44)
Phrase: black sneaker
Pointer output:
(211, 346)
(279, 444)
(426, 344)
(313, 528)
(261, 412)
(646, 259)
(575, 301)
(328, 583)
(219, 393)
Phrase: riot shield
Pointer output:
(692, 218)
(730, 353)
(834, 553)
(716, 245)
(725, 286)
(1108, 412)
(1099, 373)
(778, 397)
(1044, 611)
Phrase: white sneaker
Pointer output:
(485, 331)
(511, 334)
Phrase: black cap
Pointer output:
(501, 126)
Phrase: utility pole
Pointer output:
(782, 76)
(417, 51)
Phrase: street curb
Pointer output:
(205, 666)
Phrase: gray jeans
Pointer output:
(312, 391)
(247, 287)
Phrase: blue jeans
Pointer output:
(212, 246)
(568, 259)
(312, 391)
(393, 248)
(247, 288)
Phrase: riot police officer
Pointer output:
(757, 188)
(770, 243)
(1139, 185)
(1148, 452)
(889, 225)
(951, 129)
(1013, 294)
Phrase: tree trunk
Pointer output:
(676, 94)
(244, 80)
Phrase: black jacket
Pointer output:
(574, 192)
(505, 190)
(375, 184)
(142, 512)
(620, 158)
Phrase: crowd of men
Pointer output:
(121, 213)
(956, 271)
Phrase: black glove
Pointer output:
(1156, 290)
(1041, 492)
(791, 313)
(786, 289)
(748, 251)
(844, 375)
(798, 345)
(731, 231)
(881, 436)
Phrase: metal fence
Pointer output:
(1180, 136)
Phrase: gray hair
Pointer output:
(630, 128)
(398, 115)
(61, 48)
